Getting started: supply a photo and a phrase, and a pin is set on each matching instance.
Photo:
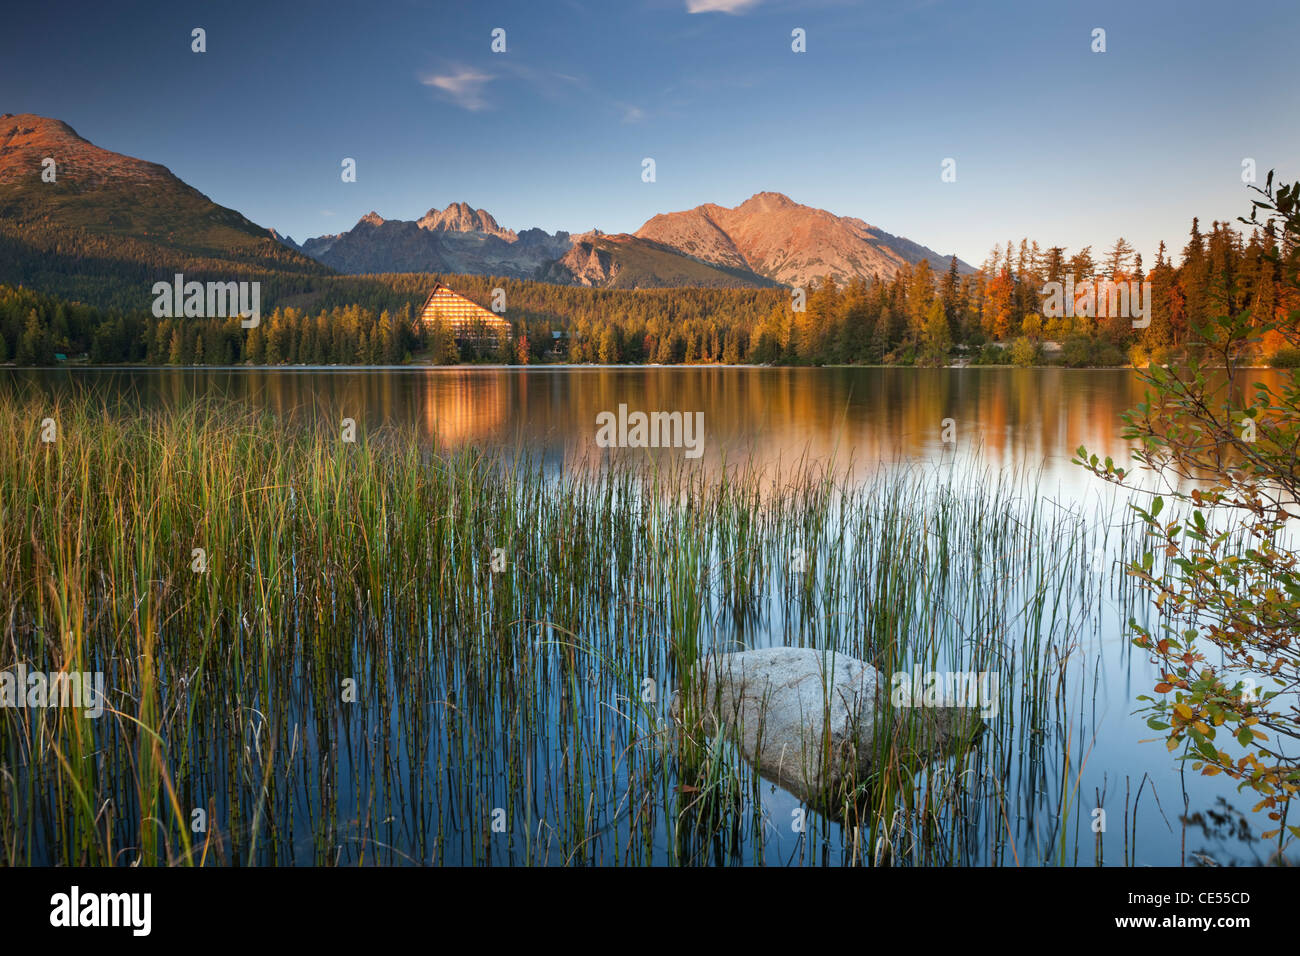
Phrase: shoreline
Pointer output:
(569, 366)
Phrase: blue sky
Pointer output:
(1050, 140)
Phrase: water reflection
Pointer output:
(769, 416)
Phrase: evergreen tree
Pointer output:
(1118, 259)
(937, 338)
(950, 293)
(176, 351)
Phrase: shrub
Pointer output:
(1107, 354)
(1024, 351)
(1285, 358)
(1227, 583)
(1076, 351)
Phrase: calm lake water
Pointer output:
(864, 417)
(1017, 426)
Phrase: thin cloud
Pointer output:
(464, 87)
(719, 6)
(559, 87)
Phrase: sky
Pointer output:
(1051, 140)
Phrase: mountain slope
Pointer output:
(378, 245)
(110, 225)
(774, 236)
(628, 262)
(106, 193)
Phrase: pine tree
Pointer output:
(29, 342)
(1118, 259)
(1082, 266)
(443, 345)
(176, 351)
(608, 352)
(1193, 280)
(935, 334)
(731, 351)
(920, 293)
(998, 305)
(1055, 264)
(950, 293)
(255, 345)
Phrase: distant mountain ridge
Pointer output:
(127, 217)
(768, 239)
(458, 239)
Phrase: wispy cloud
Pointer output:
(464, 86)
(719, 6)
(523, 80)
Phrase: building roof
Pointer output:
(462, 316)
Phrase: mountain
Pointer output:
(110, 225)
(773, 236)
(768, 239)
(458, 239)
(461, 217)
(110, 194)
(109, 222)
(628, 262)
(377, 245)
(286, 240)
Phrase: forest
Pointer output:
(920, 316)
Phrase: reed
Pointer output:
(355, 678)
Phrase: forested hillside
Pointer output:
(916, 317)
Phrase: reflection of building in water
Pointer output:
(466, 321)
(464, 407)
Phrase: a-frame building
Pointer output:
(466, 321)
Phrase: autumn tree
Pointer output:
(998, 298)
(936, 338)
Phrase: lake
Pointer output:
(1068, 742)
(1002, 416)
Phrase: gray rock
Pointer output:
(815, 722)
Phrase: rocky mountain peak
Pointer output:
(774, 236)
(462, 217)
